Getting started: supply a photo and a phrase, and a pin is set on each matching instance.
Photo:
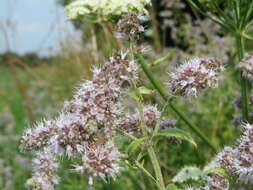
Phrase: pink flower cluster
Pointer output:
(195, 75)
(85, 126)
(131, 122)
(237, 161)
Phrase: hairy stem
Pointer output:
(161, 90)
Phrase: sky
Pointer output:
(32, 26)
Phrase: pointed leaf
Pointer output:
(178, 133)
(137, 93)
(135, 144)
(144, 90)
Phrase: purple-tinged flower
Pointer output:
(100, 161)
(244, 165)
(195, 75)
(217, 182)
(130, 26)
(151, 116)
(130, 123)
(226, 159)
(72, 135)
(44, 175)
(38, 137)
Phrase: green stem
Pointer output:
(158, 86)
(157, 168)
(244, 84)
(151, 152)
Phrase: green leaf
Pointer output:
(171, 187)
(167, 57)
(135, 144)
(178, 133)
(137, 93)
(145, 91)
(218, 170)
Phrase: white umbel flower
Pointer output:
(104, 10)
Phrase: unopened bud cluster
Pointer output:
(195, 75)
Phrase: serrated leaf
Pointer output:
(171, 187)
(178, 133)
(135, 144)
(218, 170)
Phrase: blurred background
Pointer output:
(43, 57)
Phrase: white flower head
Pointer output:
(104, 10)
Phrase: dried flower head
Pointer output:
(130, 26)
(100, 161)
(194, 76)
(246, 65)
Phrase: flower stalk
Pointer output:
(158, 86)
(157, 168)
